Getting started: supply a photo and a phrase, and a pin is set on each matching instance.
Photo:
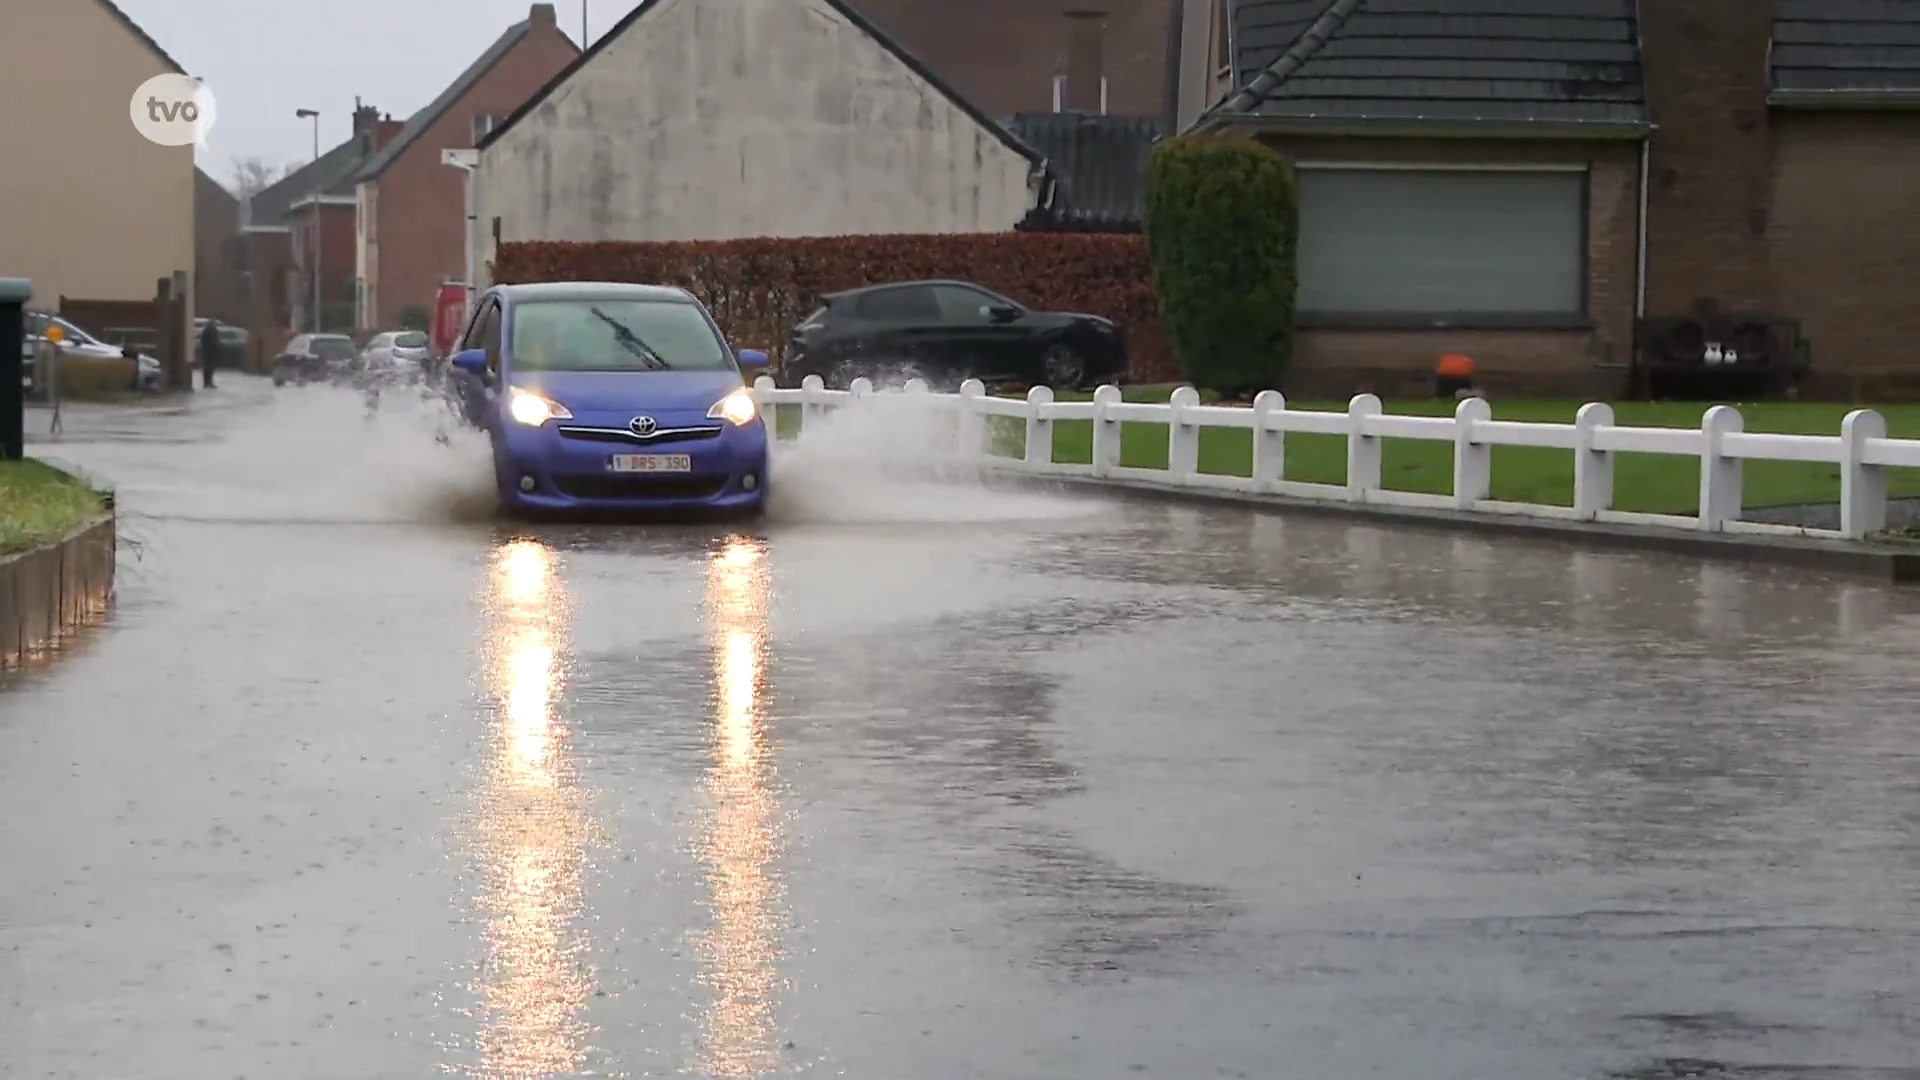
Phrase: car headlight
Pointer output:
(534, 410)
(737, 407)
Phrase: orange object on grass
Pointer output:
(1455, 366)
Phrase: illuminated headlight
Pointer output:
(737, 407)
(534, 410)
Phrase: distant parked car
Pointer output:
(405, 349)
(314, 358)
(947, 332)
(231, 351)
(79, 347)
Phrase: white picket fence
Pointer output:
(1861, 451)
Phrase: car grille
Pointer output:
(640, 487)
(621, 435)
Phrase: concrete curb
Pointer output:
(1885, 562)
(52, 590)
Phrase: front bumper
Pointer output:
(566, 466)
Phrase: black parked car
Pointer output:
(315, 358)
(949, 331)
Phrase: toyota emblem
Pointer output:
(643, 426)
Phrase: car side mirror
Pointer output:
(471, 361)
(753, 358)
(1002, 312)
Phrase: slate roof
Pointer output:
(1566, 63)
(1099, 165)
(1846, 52)
(334, 171)
(419, 122)
(846, 11)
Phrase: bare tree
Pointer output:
(252, 175)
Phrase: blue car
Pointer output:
(612, 397)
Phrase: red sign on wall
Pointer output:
(449, 317)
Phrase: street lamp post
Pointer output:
(314, 115)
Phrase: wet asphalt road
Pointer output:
(1041, 791)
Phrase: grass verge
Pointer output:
(39, 504)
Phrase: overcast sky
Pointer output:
(265, 58)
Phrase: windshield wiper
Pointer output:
(631, 341)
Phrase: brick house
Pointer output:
(219, 252)
(1036, 56)
(410, 208)
(282, 222)
(1520, 182)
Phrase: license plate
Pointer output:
(650, 463)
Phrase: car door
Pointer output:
(486, 336)
(980, 346)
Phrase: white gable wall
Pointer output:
(721, 119)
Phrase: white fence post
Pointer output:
(1106, 430)
(1269, 442)
(1592, 468)
(971, 428)
(1472, 462)
(1363, 449)
(813, 406)
(1183, 436)
(1039, 427)
(1863, 487)
(1720, 475)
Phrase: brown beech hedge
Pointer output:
(758, 289)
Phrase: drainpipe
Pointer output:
(1640, 252)
(466, 161)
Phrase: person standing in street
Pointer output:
(209, 346)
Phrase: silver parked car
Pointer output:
(395, 349)
(78, 343)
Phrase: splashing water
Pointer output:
(896, 459)
(319, 454)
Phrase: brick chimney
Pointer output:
(1086, 61)
(1710, 168)
(542, 15)
(364, 118)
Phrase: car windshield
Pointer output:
(411, 339)
(615, 335)
(75, 334)
(333, 348)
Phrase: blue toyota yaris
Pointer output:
(612, 397)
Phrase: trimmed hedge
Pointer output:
(1222, 224)
(759, 289)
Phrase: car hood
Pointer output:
(618, 391)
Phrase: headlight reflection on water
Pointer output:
(532, 832)
(740, 952)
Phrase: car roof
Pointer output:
(593, 290)
(864, 289)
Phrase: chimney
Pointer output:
(1709, 166)
(542, 15)
(1086, 77)
(364, 117)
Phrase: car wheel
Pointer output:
(1063, 368)
(279, 379)
(843, 373)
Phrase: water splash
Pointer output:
(897, 459)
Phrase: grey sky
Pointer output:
(265, 58)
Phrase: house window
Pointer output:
(482, 125)
(1432, 246)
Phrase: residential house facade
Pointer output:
(88, 207)
(723, 119)
(1038, 56)
(306, 223)
(410, 210)
(1522, 187)
(219, 252)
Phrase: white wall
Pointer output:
(721, 119)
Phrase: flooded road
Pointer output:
(358, 782)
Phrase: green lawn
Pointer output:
(39, 504)
(1653, 483)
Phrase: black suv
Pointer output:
(946, 332)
